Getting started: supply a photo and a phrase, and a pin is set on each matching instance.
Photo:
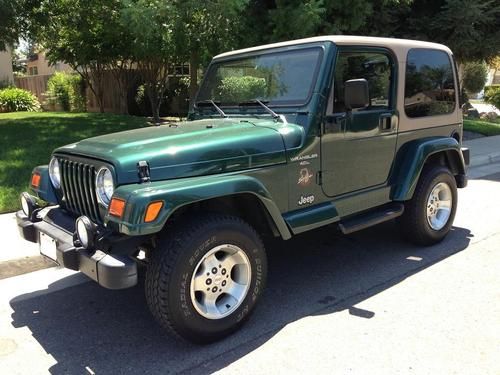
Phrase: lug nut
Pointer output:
(224, 283)
(214, 270)
(214, 289)
(223, 271)
(209, 281)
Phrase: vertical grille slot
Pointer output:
(77, 181)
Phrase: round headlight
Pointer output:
(54, 173)
(104, 185)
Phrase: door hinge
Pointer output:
(319, 178)
(143, 171)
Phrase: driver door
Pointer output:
(358, 146)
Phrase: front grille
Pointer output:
(78, 185)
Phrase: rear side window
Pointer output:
(429, 88)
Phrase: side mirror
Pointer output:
(356, 94)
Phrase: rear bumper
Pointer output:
(111, 271)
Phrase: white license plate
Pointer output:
(48, 246)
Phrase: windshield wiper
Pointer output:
(211, 103)
(266, 108)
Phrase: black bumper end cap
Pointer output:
(117, 272)
(109, 271)
(26, 228)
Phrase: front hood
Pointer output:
(192, 148)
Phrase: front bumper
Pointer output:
(111, 271)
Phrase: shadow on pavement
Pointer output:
(321, 272)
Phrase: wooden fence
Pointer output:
(112, 98)
(36, 84)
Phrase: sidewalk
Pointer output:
(484, 151)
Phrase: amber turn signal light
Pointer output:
(117, 207)
(152, 211)
(35, 180)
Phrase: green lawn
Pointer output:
(482, 127)
(27, 140)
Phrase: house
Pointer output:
(38, 64)
(6, 74)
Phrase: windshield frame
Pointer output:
(279, 50)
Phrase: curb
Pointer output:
(20, 266)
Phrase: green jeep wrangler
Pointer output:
(282, 139)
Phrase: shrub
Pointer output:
(492, 95)
(475, 76)
(13, 99)
(66, 90)
(239, 89)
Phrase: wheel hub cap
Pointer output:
(220, 281)
(439, 206)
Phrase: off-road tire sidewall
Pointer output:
(415, 224)
(178, 313)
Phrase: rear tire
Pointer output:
(205, 277)
(429, 215)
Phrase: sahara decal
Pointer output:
(305, 177)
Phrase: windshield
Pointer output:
(275, 78)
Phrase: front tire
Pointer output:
(429, 215)
(205, 277)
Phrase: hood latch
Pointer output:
(143, 171)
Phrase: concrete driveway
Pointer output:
(368, 303)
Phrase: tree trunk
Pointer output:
(194, 62)
(154, 101)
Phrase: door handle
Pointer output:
(385, 122)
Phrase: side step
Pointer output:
(373, 217)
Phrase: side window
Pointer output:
(429, 87)
(375, 67)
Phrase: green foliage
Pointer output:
(471, 28)
(482, 127)
(66, 90)
(240, 89)
(13, 99)
(294, 19)
(474, 76)
(492, 95)
(9, 23)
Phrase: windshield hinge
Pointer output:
(143, 171)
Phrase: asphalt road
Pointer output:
(368, 303)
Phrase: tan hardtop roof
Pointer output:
(399, 46)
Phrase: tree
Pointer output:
(474, 76)
(81, 34)
(293, 19)
(9, 23)
(471, 28)
(152, 46)
(203, 29)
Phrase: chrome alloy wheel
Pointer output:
(439, 206)
(221, 281)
